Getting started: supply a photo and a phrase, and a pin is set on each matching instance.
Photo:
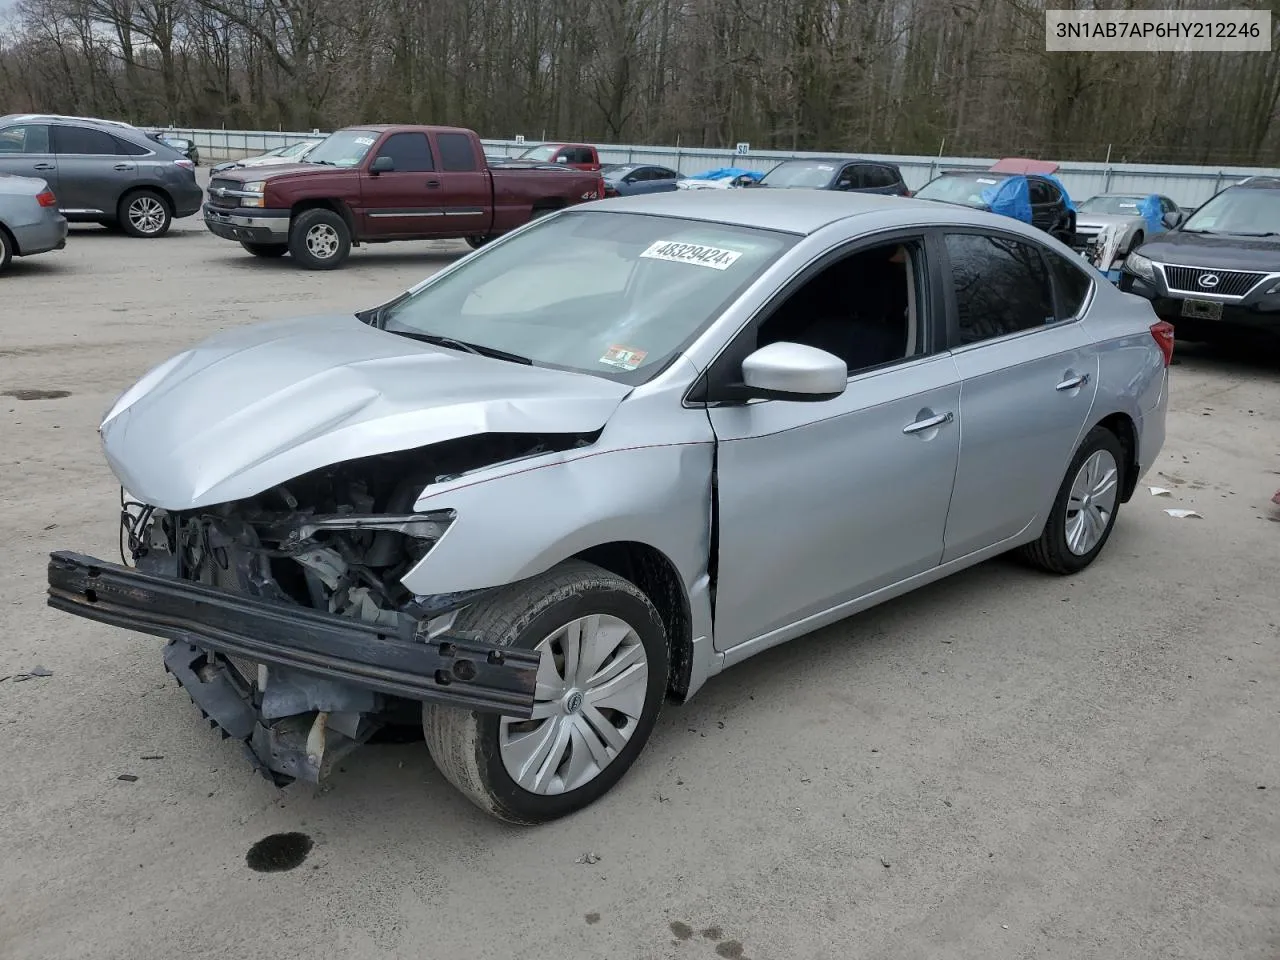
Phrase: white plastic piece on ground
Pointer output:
(1183, 514)
(1160, 492)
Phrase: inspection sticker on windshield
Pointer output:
(366, 141)
(717, 258)
(624, 357)
(985, 180)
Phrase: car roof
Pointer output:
(14, 117)
(406, 128)
(786, 211)
(1257, 183)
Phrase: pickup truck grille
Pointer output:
(1229, 283)
(219, 183)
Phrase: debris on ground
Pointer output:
(127, 778)
(1160, 492)
(588, 858)
(36, 671)
(1178, 514)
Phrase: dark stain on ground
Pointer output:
(681, 929)
(36, 394)
(730, 948)
(280, 851)
(713, 933)
(593, 918)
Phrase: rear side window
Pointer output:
(84, 141)
(456, 152)
(1001, 286)
(891, 175)
(579, 155)
(410, 152)
(127, 149)
(29, 138)
(1071, 283)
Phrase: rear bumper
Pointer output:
(48, 233)
(261, 226)
(327, 673)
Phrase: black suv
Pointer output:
(1218, 274)
(858, 176)
(1049, 209)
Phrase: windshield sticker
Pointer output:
(624, 358)
(717, 258)
(366, 141)
(985, 180)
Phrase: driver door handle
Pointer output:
(45, 166)
(929, 422)
(124, 166)
(1072, 382)
(432, 184)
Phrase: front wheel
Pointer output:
(601, 682)
(1084, 513)
(6, 249)
(267, 251)
(475, 243)
(319, 239)
(144, 213)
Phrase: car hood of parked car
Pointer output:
(1100, 220)
(256, 406)
(269, 171)
(1221, 251)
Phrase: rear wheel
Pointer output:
(475, 243)
(601, 682)
(144, 213)
(319, 239)
(6, 248)
(266, 250)
(1084, 513)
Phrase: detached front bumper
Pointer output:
(328, 670)
(260, 226)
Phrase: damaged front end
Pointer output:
(287, 619)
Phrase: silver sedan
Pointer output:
(590, 466)
(29, 219)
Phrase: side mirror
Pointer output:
(382, 164)
(1170, 220)
(793, 371)
(562, 159)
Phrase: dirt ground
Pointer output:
(1003, 765)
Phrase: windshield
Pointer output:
(295, 149)
(346, 148)
(609, 294)
(1242, 212)
(544, 152)
(1122, 206)
(958, 188)
(802, 174)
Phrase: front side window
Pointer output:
(610, 294)
(1039, 191)
(1239, 211)
(1001, 286)
(410, 152)
(26, 138)
(346, 148)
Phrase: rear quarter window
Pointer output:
(1070, 283)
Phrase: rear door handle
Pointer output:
(432, 184)
(124, 166)
(45, 166)
(928, 423)
(1072, 382)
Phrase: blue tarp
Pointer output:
(1011, 197)
(1151, 211)
(726, 173)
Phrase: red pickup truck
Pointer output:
(374, 184)
(580, 156)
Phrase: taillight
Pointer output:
(46, 199)
(185, 164)
(1163, 334)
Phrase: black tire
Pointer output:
(268, 251)
(465, 744)
(475, 243)
(1051, 552)
(331, 233)
(6, 248)
(144, 214)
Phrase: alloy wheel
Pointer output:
(147, 215)
(1092, 502)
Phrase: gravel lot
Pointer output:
(1002, 765)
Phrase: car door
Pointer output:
(664, 179)
(93, 171)
(819, 503)
(26, 151)
(467, 198)
(1028, 373)
(407, 200)
(1044, 211)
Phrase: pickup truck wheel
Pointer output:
(319, 239)
(1084, 513)
(475, 243)
(266, 250)
(601, 683)
(144, 213)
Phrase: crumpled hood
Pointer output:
(259, 405)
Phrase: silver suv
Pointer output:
(102, 171)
